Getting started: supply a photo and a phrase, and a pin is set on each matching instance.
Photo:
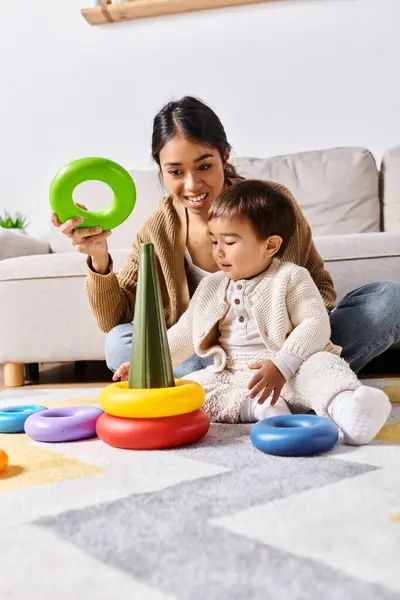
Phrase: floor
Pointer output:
(96, 373)
(68, 375)
(216, 519)
(99, 519)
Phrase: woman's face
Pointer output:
(192, 172)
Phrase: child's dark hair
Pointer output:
(270, 211)
(195, 121)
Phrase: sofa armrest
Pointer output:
(390, 189)
(14, 243)
(357, 259)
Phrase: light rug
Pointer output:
(217, 520)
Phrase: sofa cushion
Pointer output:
(45, 314)
(96, 196)
(357, 259)
(338, 189)
(52, 266)
(16, 243)
(391, 189)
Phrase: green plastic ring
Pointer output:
(100, 169)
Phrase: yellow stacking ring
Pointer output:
(119, 400)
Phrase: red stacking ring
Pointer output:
(152, 434)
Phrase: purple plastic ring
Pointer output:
(65, 424)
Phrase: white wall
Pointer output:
(283, 77)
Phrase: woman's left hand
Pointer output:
(268, 381)
(122, 372)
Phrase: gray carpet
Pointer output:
(218, 520)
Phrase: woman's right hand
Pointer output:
(91, 241)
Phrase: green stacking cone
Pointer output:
(151, 365)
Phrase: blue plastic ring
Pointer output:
(12, 418)
(294, 435)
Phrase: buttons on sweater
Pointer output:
(238, 327)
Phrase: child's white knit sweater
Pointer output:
(289, 311)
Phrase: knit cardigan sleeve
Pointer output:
(308, 316)
(111, 297)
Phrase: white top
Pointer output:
(238, 329)
(239, 332)
(194, 273)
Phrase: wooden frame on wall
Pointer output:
(108, 12)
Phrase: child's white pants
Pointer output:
(319, 379)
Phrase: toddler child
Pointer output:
(266, 325)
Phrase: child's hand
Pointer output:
(122, 372)
(268, 380)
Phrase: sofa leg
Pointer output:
(32, 373)
(14, 375)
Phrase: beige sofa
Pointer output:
(352, 206)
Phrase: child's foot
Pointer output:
(251, 411)
(360, 414)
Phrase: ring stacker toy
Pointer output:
(152, 410)
(151, 393)
(86, 169)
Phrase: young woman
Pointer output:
(190, 147)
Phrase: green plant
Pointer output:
(16, 222)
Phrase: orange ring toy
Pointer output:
(3, 461)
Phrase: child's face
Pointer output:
(238, 251)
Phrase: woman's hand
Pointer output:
(91, 241)
(268, 380)
(122, 372)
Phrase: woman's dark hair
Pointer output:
(270, 210)
(195, 121)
